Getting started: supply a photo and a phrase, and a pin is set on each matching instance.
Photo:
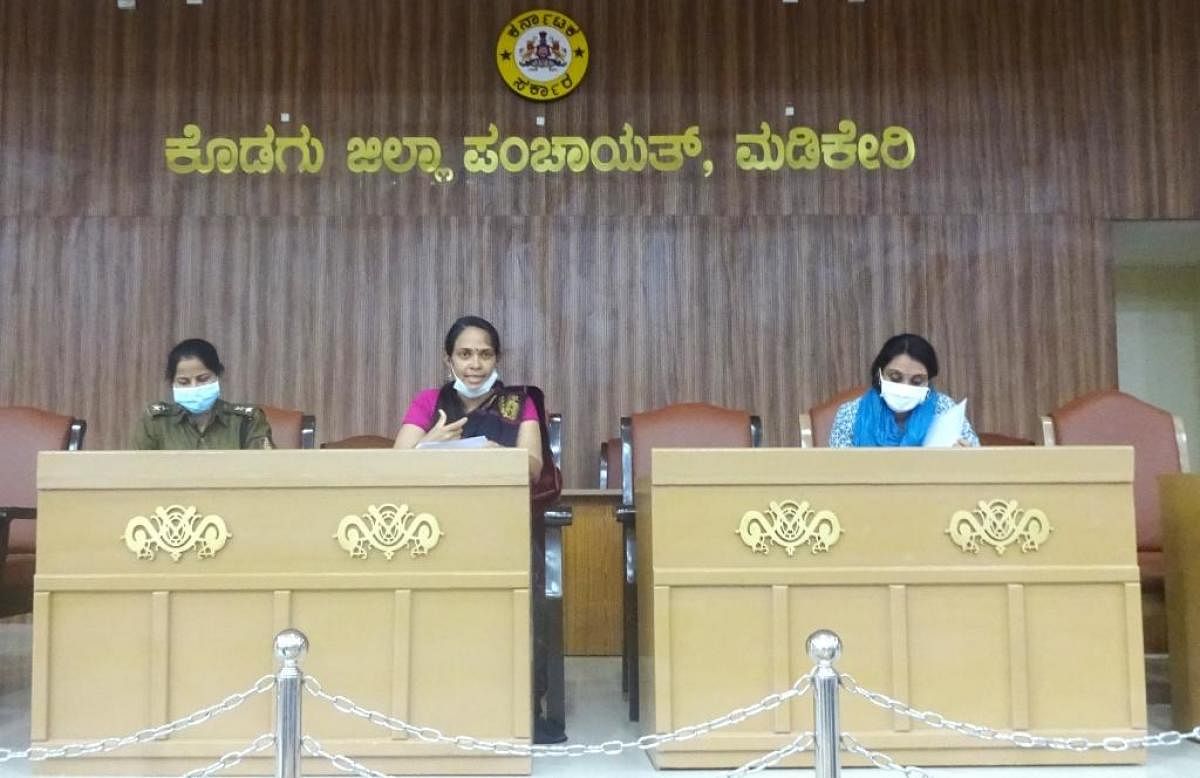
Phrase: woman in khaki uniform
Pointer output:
(198, 418)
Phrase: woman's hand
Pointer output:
(442, 431)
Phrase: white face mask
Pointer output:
(901, 398)
(481, 390)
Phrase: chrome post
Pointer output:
(824, 648)
(290, 647)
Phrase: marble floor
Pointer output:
(596, 680)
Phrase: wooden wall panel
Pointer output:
(1036, 123)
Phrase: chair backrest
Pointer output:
(610, 464)
(684, 425)
(360, 441)
(1112, 417)
(291, 429)
(23, 433)
(817, 424)
(1000, 439)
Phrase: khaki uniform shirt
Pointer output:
(168, 426)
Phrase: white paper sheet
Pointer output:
(479, 441)
(947, 427)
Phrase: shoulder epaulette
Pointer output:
(244, 410)
(158, 409)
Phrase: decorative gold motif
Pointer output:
(176, 529)
(510, 406)
(790, 524)
(388, 528)
(999, 523)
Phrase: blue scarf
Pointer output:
(876, 424)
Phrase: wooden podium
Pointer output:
(993, 586)
(126, 636)
(1181, 546)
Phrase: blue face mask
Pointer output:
(461, 387)
(197, 399)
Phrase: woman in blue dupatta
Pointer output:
(901, 404)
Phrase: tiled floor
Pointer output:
(596, 681)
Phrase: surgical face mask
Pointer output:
(197, 399)
(481, 390)
(901, 398)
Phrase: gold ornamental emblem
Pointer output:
(542, 55)
(176, 529)
(388, 528)
(999, 524)
(790, 524)
(510, 407)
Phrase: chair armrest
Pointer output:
(1048, 436)
(559, 516)
(806, 431)
(308, 431)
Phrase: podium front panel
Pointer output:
(996, 587)
(163, 577)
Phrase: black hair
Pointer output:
(906, 343)
(194, 348)
(479, 322)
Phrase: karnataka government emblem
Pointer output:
(542, 55)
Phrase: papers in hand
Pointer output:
(947, 427)
(479, 441)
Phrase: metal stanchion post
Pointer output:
(290, 647)
(824, 648)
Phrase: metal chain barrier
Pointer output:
(880, 759)
(501, 748)
(1018, 739)
(75, 750)
(260, 743)
(802, 743)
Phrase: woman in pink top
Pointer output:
(474, 402)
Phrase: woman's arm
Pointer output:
(410, 435)
(529, 437)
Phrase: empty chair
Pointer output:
(685, 425)
(1159, 445)
(23, 433)
(551, 641)
(291, 429)
(816, 425)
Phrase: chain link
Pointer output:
(879, 759)
(1018, 739)
(75, 750)
(609, 747)
(260, 743)
(802, 743)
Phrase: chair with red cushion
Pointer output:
(291, 429)
(360, 441)
(1159, 445)
(23, 433)
(817, 424)
(685, 425)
